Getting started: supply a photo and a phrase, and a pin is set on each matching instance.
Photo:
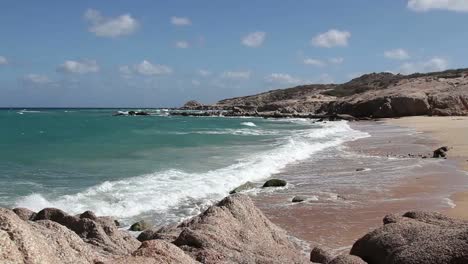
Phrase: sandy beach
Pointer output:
(344, 203)
(449, 131)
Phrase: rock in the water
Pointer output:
(298, 199)
(347, 259)
(441, 152)
(244, 187)
(416, 238)
(235, 231)
(24, 213)
(274, 183)
(360, 169)
(139, 226)
(320, 255)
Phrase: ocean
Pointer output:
(160, 168)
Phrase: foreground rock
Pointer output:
(235, 231)
(100, 232)
(43, 241)
(415, 238)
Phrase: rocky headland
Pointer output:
(375, 95)
(232, 231)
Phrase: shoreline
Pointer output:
(337, 224)
(450, 131)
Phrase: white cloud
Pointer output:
(204, 73)
(125, 71)
(3, 60)
(195, 82)
(426, 5)
(282, 78)
(434, 64)
(314, 62)
(254, 39)
(79, 67)
(181, 21)
(332, 38)
(239, 75)
(397, 54)
(337, 60)
(182, 44)
(112, 26)
(36, 79)
(147, 68)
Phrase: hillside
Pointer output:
(371, 95)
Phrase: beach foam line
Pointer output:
(187, 193)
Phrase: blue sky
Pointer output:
(153, 53)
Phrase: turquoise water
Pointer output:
(160, 167)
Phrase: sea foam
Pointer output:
(175, 194)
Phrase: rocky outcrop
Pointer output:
(192, 105)
(155, 252)
(235, 231)
(415, 238)
(102, 233)
(24, 213)
(375, 95)
(244, 187)
(43, 241)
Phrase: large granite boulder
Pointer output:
(235, 231)
(155, 252)
(102, 233)
(24, 213)
(42, 241)
(415, 238)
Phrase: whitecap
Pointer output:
(249, 124)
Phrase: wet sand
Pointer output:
(344, 203)
(452, 132)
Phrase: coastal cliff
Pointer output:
(375, 95)
(232, 231)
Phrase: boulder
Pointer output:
(167, 233)
(440, 152)
(155, 252)
(415, 238)
(299, 198)
(274, 183)
(102, 233)
(347, 259)
(43, 241)
(235, 231)
(320, 255)
(140, 226)
(244, 187)
(24, 213)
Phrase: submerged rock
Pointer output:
(244, 187)
(274, 183)
(415, 238)
(140, 226)
(298, 199)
